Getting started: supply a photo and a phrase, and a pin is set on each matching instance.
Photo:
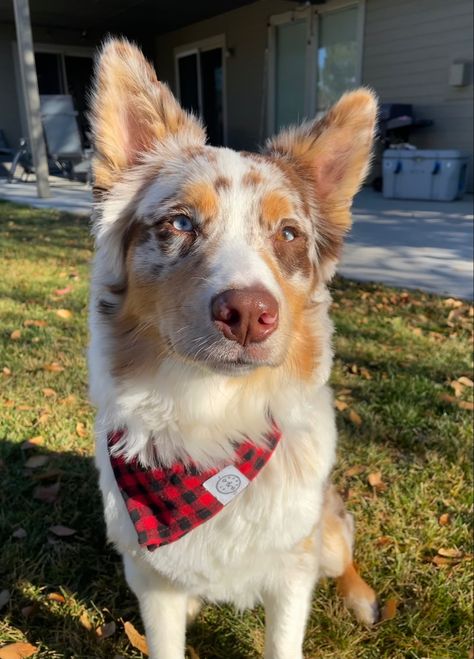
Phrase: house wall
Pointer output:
(245, 30)
(408, 47)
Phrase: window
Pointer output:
(200, 85)
(314, 57)
(66, 72)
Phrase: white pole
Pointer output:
(31, 98)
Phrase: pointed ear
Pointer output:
(333, 153)
(131, 112)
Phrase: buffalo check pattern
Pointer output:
(165, 503)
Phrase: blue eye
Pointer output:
(182, 223)
(288, 234)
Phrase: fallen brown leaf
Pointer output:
(136, 639)
(56, 597)
(354, 471)
(458, 388)
(35, 323)
(4, 598)
(48, 392)
(54, 367)
(85, 621)
(24, 408)
(450, 553)
(81, 430)
(65, 314)
(375, 481)
(15, 335)
(46, 493)
(389, 610)
(36, 461)
(355, 418)
(106, 631)
(462, 404)
(62, 531)
(17, 651)
(440, 561)
(365, 373)
(6, 371)
(192, 652)
(383, 541)
(465, 381)
(33, 442)
(451, 302)
(69, 400)
(63, 291)
(340, 405)
(444, 519)
(43, 418)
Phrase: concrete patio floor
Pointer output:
(410, 244)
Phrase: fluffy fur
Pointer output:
(159, 367)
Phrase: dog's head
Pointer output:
(210, 255)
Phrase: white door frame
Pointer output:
(196, 48)
(311, 16)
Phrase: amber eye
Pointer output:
(287, 234)
(182, 223)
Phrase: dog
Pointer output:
(210, 355)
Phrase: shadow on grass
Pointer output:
(83, 567)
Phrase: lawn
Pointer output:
(404, 397)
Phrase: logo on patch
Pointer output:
(226, 484)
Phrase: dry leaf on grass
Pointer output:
(465, 381)
(48, 392)
(458, 388)
(33, 442)
(375, 481)
(69, 400)
(81, 430)
(19, 534)
(192, 652)
(17, 651)
(384, 540)
(450, 553)
(106, 631)
(340, 405)
(365, 373)
(15, 335)
(46, 493)
(441, 561)
(36, 461)
(35, 323)
(6, 371)
(136, 639)
(462, 404)
(354, 471)
(56, 597)
(85, 621)
(54, 367)
(389, 610)
(62, 531)
(451, 302)
(63, 291)
(4, 598)
(65, 314)
(355, 418)
(444, 519)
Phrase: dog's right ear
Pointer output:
(132, 112)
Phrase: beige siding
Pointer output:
(409, 46)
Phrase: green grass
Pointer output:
(396, 355)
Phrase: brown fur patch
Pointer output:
(274, 207)
(252, 178)
(222, 183)
(201, 196)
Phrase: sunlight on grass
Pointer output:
(397, 355)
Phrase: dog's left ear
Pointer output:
(132, 112)
(333, 153)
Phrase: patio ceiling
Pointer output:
(139, 16)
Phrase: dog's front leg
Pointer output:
(287, 604)
(163, 610)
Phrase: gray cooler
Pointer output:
(424, 174)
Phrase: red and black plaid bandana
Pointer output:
(166, 503)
